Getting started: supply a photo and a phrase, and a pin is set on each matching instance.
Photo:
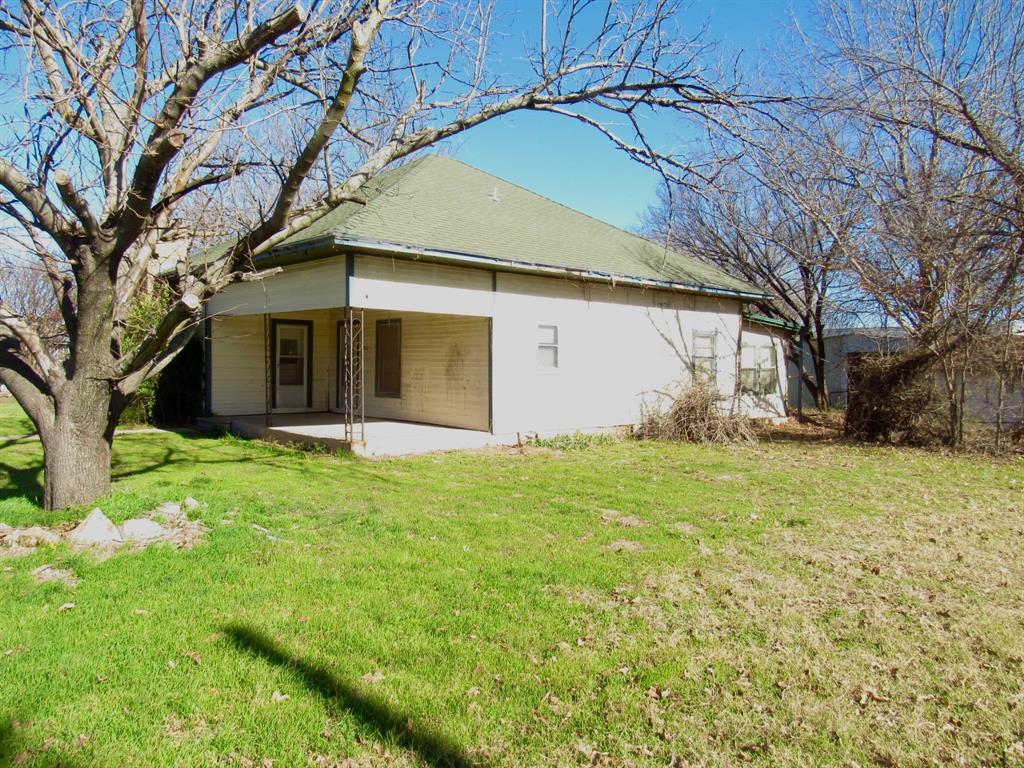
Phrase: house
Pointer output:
(451, 308)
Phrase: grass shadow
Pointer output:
(13, 753)
(20, 481)
(433, 748)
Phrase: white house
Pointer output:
(456, 309)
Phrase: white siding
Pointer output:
(618, 348)
(238, 377)
(771, 406)
(315, 285)
(410, 286)
(444, 370)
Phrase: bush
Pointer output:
(140, 409)
(892, 398)
(178, 398)
(696, 415)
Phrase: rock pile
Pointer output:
(169, 522)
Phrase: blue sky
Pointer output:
(576, 166)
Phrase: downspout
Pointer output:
(800, 374)
(738, 366)
(490, 355)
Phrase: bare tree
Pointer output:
(951, 68)
(780, 217)
(27, 292)
(934, 89)
(125, 113)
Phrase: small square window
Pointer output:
(547, 347)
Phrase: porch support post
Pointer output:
(353, 400)
(268, 364)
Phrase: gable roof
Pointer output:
(438, 207)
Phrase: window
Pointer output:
(705, 364)
(759, 371)
(389, 358)
(547, 347)
(291, 358)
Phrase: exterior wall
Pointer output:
(380, 282)
(619, 347)
(445, 370)
(316, 285)
(983, 400)
(771, 406)
(238, 381)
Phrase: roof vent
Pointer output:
(494, 195)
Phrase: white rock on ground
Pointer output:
(96, 530)
(53, 573)
(169, 510)
(142, 530)
(191, 503)
(27, 537)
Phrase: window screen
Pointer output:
(547, 346)
(389, 358)
(705, 365)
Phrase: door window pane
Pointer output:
(291, 371)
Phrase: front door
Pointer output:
(291, 378)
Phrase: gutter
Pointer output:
(325, 246)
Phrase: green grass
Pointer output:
(13, 420)
(789, 604)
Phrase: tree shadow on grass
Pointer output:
(433, 748)
(20, 481)
(13, 752)
(150, 455)
(26, 481)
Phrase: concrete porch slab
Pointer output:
(383, 437)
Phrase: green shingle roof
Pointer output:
(438, 204)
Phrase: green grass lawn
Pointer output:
(627, 604)
(13, 420)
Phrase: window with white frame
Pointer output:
(705, 364)
(547, 347)
(759, 368)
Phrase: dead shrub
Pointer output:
(893, 399)
(696, 415)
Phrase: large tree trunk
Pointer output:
(76, 445)
(76, 463)
(818, 356)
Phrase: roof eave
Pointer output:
(326, 245)
(771, 322)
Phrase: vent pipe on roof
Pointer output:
(494, 195)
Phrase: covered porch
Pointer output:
(380, 357)
(382, 437)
